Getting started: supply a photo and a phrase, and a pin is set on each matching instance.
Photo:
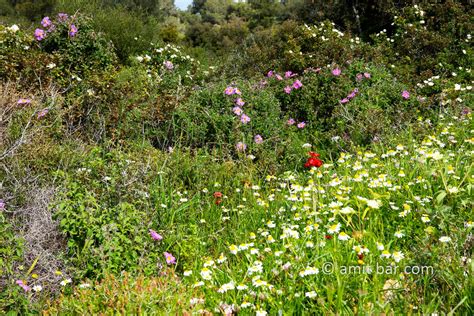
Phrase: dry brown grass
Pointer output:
(43, 240)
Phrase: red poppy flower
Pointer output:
(217, 195)
(313, 162)
(360, 256)
(328, 237)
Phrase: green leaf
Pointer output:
(440, 197)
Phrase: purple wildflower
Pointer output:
(239, 102)
(465, 111)
(46, 22)
(237, 110)
(258, 139)
(297, 84)
(278, 77)
(72, 30)
(301, 125)
(40, 34)
(244, 119)
(289, 74)
(240, 146)
(359, 77)
(22, 284)
(170, 259)
(42, 113)
(155, 235)
(406, 94)
(270, 74)
(345, 100)
(62, 17)
(229, 91)
(287, 89)
(336, 71)
(23, 101)
(168, 65)
(353, 93)
(290, 121)
(367, 75)
(2, 205)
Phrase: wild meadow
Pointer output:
(236, 158)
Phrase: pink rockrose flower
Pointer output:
(240, 102)
(46, 22)
(336, 71)
(23, 101)
(406, 94)
(237, 110)
(240, 146)
(301, 125)
(155, 235)
(258, 139)
(297, 84)
(170, 259)
(72, 30)
(40, 34)
(244, 119)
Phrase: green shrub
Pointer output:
(130, 103)
(73, 39)
(428, 39)
(20, 60)
(206, 119)
(362, 104)
(11, 254)
(65, 52)
(295, 47)
(105, 220)
(169, 66)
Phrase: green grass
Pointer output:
(429, 200)
(311, 241)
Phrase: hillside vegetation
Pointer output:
(236, 158)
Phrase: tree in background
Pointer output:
(217, 25)
(31, 9)
(264, 12)
(212, 11)
(362, 17)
